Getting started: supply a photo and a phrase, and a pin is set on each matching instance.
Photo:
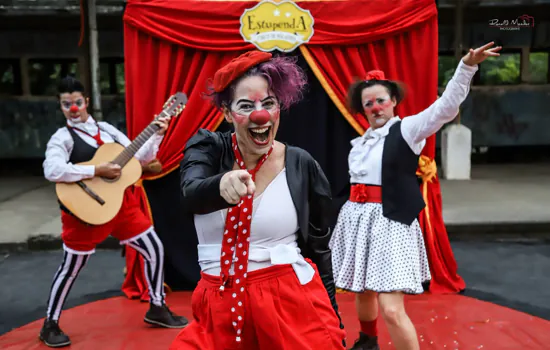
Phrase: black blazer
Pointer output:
(208, 156)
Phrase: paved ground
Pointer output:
(26, 278)
(506, 272)
(510, 274)
(497, 194)
(511, 193)
(30, 211)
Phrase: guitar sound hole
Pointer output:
(115, 179)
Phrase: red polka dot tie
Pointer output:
(235, 243)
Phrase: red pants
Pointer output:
(128, 223)
(280, 314)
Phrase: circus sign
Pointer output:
(279, 26)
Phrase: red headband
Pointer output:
(237, 67)
(375, 75)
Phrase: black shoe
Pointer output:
(162, 316)
(53, 336)
(366, 342)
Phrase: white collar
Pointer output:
(383, 131)
(375, 133)
(90, 120)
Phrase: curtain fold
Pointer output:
(156, 69)
(177, 45)
(214, 25)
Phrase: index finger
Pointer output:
(250, 187)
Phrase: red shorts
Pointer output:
(128, 223)
(280, 313)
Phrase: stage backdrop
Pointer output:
(177, 45)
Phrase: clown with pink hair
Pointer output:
(260, 209)
(378, 249)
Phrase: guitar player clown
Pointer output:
(78, 142)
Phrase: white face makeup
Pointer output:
(255, 114)
(74, 106)
(377, 105)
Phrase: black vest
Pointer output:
(82, 152)
(401, 197)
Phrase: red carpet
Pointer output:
(442, 322)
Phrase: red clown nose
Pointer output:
(260, 117)
(73, 109)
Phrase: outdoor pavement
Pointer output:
(496, 198)
(511, 193)
(510, 272)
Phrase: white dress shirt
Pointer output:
(56, 165)
(365, 158)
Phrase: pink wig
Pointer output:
(284, 77)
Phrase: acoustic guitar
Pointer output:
(98, 200)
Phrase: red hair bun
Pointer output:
(375, 75)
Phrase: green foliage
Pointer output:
(502, 70)
(120, 82)
(44, 75)
(538, 68)
(6, 78)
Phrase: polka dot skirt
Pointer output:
(371, 252)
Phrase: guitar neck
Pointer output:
(124, 157)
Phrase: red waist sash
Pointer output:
(361, 193)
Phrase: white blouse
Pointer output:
(365, 158)
(273, 233)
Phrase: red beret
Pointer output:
(375, 75)
(237, 67)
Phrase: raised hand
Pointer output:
(479, 55)
(236, 184)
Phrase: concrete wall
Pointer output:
(498, 116)
(26, 125)
(507, 115)
(55, 43)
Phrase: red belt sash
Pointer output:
(361, 193)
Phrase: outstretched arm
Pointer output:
(417, 128)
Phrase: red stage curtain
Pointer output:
(175, 45)
(134, 285)
(156, 69)
(214, 25)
